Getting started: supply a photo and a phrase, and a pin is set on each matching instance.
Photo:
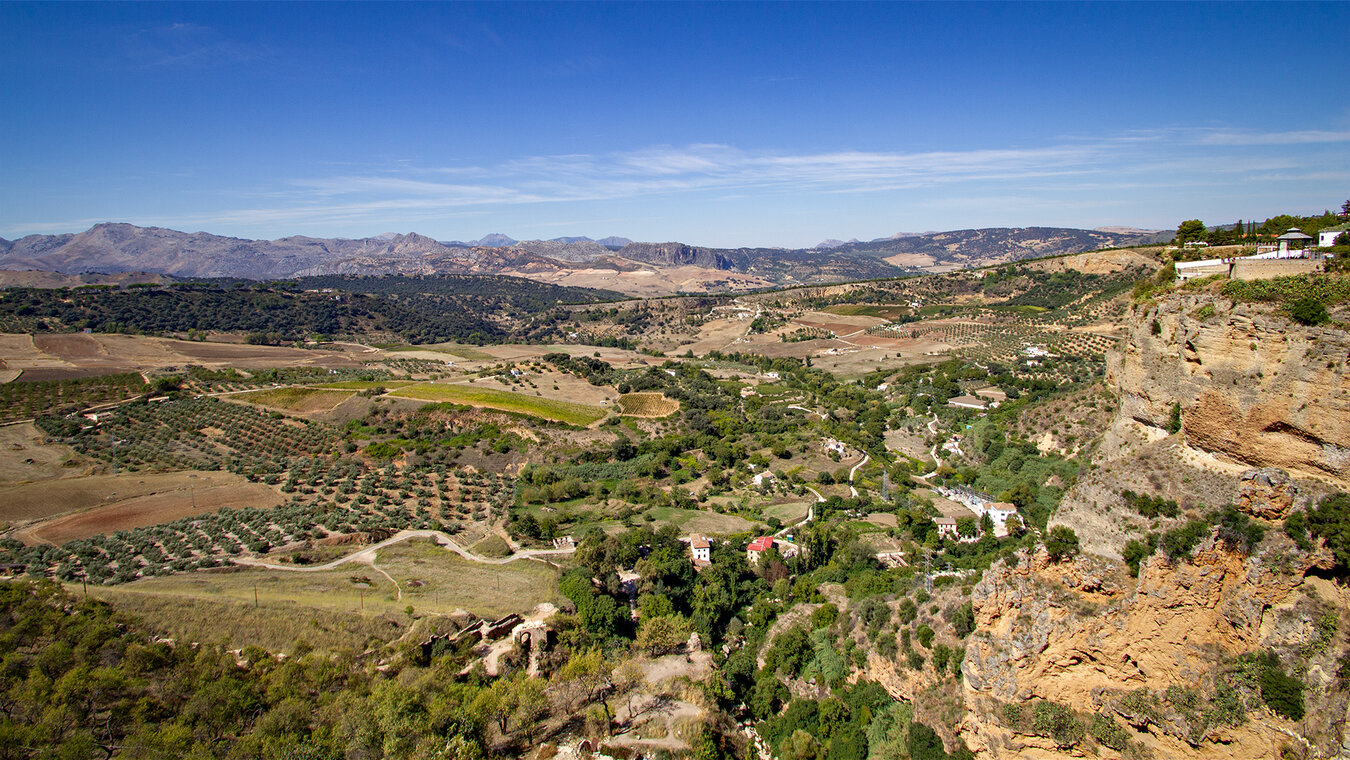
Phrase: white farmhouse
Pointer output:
(701, 548)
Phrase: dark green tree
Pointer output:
(1190, 231)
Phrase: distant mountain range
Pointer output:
(115, 248)
(498, 240)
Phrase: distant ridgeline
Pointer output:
(472, 309)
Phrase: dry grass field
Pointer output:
(96, 504)
(342, 607)
(274, 624)
(647, 405)
(24, 456)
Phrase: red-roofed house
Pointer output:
(759, 546)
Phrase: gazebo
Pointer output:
(1294, 235)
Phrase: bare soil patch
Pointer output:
(644, 281)
(69, 347)
(715, 336)
(104, 503)
(916, 260)
(908, 442)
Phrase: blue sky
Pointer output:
(717, 124)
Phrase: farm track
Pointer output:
(866, 458)
(366, 556)
(937, 462)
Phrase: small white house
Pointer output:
(999, 512)
(1327, 238)
(701, 548)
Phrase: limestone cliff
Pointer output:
(1252, 385)
(1147, 654)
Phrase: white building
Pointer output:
(1327, 238)
(701, 548)
(967, 402)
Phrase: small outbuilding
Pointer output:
(1293, 240)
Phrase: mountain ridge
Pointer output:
(115, 247)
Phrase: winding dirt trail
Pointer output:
(366, 556)
(866, 458)
(937, 461)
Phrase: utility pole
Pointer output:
(255, 596)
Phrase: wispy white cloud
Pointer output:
(1072, 173)
(1298, 137)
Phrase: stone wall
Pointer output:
(1265, 269)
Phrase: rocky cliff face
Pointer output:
(677, 254)
(1150, 653)
(1252, 385)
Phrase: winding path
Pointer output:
(799, 407)
(866, 458)
(937, 461)
(366, 556)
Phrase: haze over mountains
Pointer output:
(116, 247)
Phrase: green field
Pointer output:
(295, 399)
(490, 398)
(789, 513)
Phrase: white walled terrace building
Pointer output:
(982, 504)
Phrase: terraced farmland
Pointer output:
(490, 398)
(647, 405)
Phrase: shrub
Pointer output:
(1237, 531)
(1150, 506)
(1058, 722)
(1179, 542)
(1062, 543)
(1309, 311)
(963, 620)
(1330, 520)
(1281, 692)
(925, 635)
(1108, 732)
(1296, 527)
(1135, 553)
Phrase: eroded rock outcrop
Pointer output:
(1085, 635)
(1268, 493)
(1251, 384)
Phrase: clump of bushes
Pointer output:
(1150, 506)
(1281, 692)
